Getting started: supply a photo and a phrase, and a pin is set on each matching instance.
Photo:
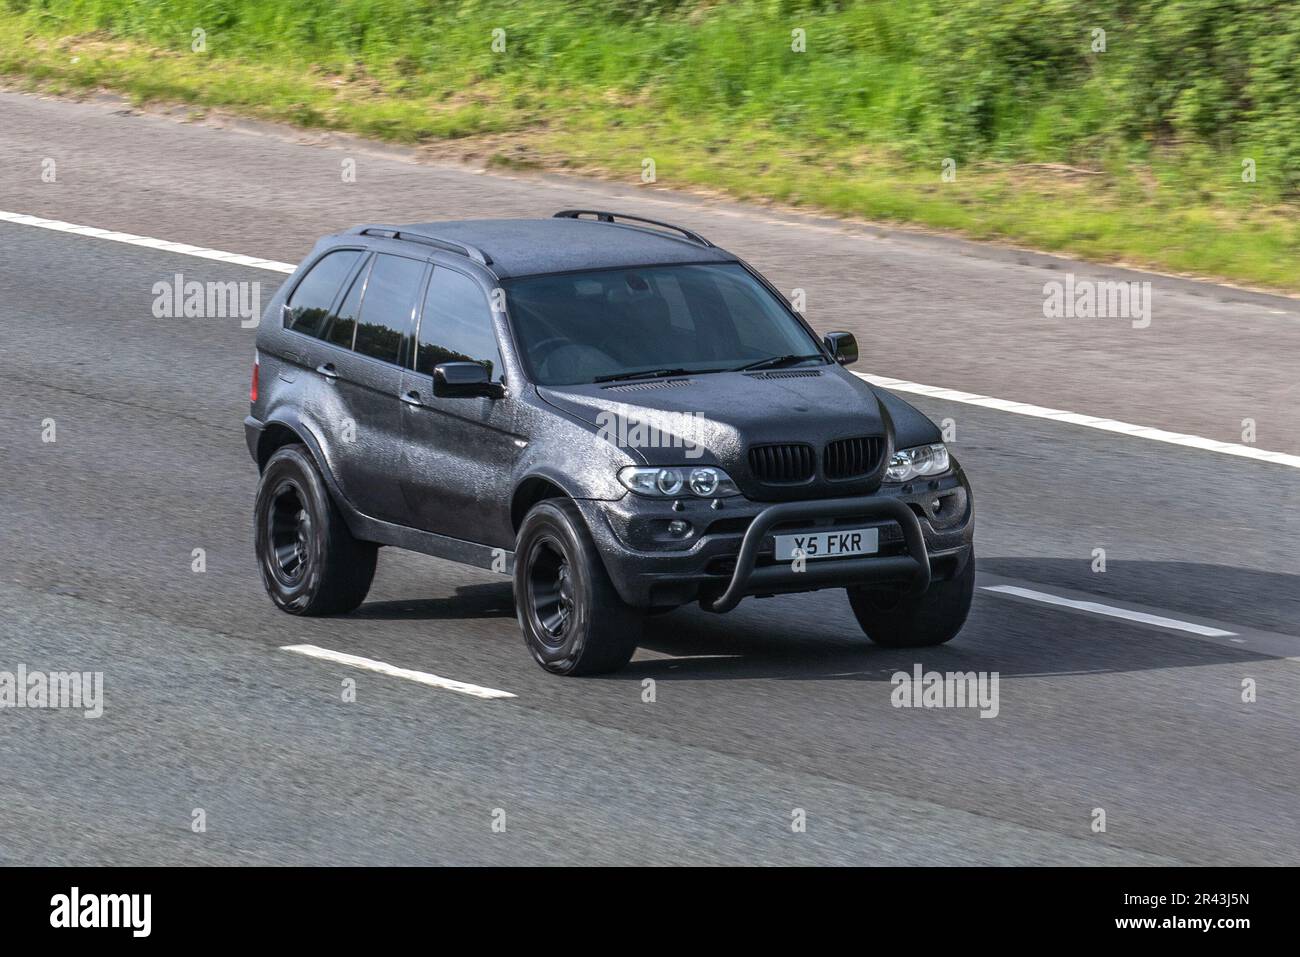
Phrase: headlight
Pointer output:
(907, 464)
(702, 481)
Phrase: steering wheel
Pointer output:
(540, 352)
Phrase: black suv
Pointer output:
(613, 409)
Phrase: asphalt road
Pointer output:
(778, 706)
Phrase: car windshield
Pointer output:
(620, 323)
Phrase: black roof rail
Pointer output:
(462, 249)
(604, 216)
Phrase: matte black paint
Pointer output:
(446, 475)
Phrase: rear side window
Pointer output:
(456, 325)
(388, 309)
(310, 303)
(344, 323)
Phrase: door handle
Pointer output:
(327, 370)
(412, 398)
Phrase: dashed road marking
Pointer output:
(392, 671)
(1110, 611)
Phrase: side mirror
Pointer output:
(842, 346)
(463, 380)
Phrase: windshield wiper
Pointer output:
(654, 374)
(774, 362)
(643, 374)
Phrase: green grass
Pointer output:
(1151, 133)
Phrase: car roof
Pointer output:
(512, 248)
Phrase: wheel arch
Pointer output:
(279, 432)
(530, 491)
(275, 436)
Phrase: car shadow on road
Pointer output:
(815, 636)
(489, 600)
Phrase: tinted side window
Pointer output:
(344, 321)
(388, 309)
(457, 324)
(310, 303)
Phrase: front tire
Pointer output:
(573, 620)
(897, 620)
(310, 563)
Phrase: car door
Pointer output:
(369, 335)
(459, 453)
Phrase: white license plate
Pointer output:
(841, 542)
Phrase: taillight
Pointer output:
(252, 390)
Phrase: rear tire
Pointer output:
(573, 620)
(310, 563)
(897, 620)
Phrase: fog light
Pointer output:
(679, 528)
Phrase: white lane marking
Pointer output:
(645, 654)
(184, 249)
(1088, 421)
(383, 668)
(899, 385)
(1109, 610)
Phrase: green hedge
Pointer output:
(971, 79)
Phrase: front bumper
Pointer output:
(925, 531)
(746, 578)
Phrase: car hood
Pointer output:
(713, 419)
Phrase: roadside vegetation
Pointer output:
(1163, 133)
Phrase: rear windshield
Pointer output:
(580, 327)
